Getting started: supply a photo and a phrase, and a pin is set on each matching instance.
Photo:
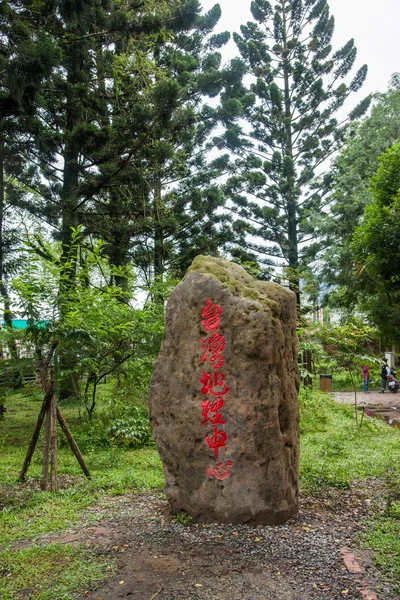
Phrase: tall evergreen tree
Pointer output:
(166, 197)
(88, 132)
(292, 126)
(27, 57)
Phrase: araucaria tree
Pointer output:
(292, 127)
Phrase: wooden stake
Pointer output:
(46, 451)
(50, 410)
(35, 435)
(72, 443)
(53, 443)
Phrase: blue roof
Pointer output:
(23, 323)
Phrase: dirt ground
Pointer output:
(311, 557)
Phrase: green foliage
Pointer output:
(28, 513)
(375, 246)
(182, 519)
(12, 370)
(385, 184)
(310, 342)
(338, 348)
(353, 170)
(347, 343)
(123, 105)
(129, 422)
(392, 488)
(336, 454)
(383, 536)
(133, 430)
(94, 326)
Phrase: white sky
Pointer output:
(373, 25)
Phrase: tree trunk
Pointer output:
(17, 380)
(290, 193)
(53, 443)
(120, 241)
(69, 200)
(46, 452)
(159, 254)
(159, 249)
(72, 443)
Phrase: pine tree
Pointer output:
(167, 197)
(292, 126)
(186, 198)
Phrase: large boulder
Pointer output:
(224, 397)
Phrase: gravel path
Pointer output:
(308, 558)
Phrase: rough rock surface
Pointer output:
(224, 397)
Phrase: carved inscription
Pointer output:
(214, 388)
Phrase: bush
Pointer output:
(130, 423)
(14, 372)
(133, 430)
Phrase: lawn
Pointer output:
(28, 569)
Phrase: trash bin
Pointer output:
(325, 383)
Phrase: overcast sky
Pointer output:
(373, 25)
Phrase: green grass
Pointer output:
(53, 572)
(383, 537)
(28, 514)
(335, 452)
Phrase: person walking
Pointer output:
(385, 371)
(366, 376)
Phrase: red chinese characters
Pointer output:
(211, 382)
(211, 315)
(220, 471)
(215, 387)
(217, 441)
(213, 347)
(211, 412)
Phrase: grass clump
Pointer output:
(383, 537)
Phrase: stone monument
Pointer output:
(224, 397)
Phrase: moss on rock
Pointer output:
(240, 283)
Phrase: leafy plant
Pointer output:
(133, 429)
(297, 86)
(347, 344)
(375, 245)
